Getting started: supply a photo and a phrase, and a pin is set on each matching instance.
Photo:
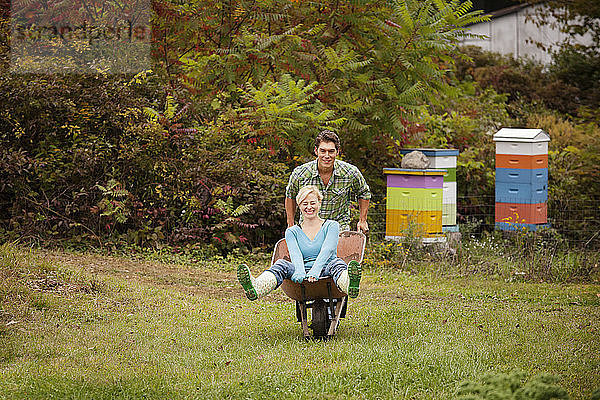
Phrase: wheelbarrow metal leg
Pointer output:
(298, 312)
(331, 306)
(338, 313)
(303, 315)
(303, 318)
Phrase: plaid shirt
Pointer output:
(346, 183)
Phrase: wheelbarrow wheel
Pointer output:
(320, 319)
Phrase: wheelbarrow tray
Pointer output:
(351, 246)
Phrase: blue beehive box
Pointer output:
(521, 193)
(535, 177)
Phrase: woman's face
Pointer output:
(310, 206)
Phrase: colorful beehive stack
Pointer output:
(414, 203)
(521, 178)
(444, 159)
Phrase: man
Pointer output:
(338, 181)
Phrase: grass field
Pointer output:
(82, 326)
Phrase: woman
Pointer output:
(313, 251)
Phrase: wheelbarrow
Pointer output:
(327, 302)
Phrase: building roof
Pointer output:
(507, 10)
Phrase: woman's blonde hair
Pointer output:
(305, 191)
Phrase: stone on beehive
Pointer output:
(415, 160)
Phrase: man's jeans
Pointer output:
(283, 269)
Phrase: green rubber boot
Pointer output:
(258, 287)
(354, 273)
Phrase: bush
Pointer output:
(466, 121)
(80, 162)
(574, 178)
(582, 70)
(60, 137)
(512, 386)
(521, 79)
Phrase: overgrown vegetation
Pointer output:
(510, 386)
(197, 149)
(510, 256)
(194, 153)
(491, 92)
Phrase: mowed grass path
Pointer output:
(91, 327)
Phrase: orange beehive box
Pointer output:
(521, 161)
(522, 213)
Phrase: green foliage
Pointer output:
(205, 185)
(172, 153)
(402, 254)
(196, 150)
(521, 255)
(575, 18)
(60, 137)
(68, 38)
(287, 113)
(466, 119)
(581, 69)
(229, 227)
(512, 386)
(522, 79)
(363, 67)
(574, 179)
(113, 201)
(575, 68)
(82, 162)
(514, 256)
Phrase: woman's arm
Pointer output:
(328, 249)
(295, 256)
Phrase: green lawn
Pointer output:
(89, 327)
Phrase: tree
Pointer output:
(574, 17)
(574, 63)
(369, 64)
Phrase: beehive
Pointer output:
(414, 203)
(521, 178)
(444, 159)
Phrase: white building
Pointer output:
(513, 31)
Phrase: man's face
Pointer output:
(326, 153)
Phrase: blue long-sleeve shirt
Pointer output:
(312, 256)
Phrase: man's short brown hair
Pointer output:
(328, 136)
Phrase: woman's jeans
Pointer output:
(283, 269)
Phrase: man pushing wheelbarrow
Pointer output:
(322, 190)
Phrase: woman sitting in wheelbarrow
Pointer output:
(313, 250)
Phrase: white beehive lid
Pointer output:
(521, 135)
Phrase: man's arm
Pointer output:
(363, 193)
(291, 191)
(290, 211)
(363, 207)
